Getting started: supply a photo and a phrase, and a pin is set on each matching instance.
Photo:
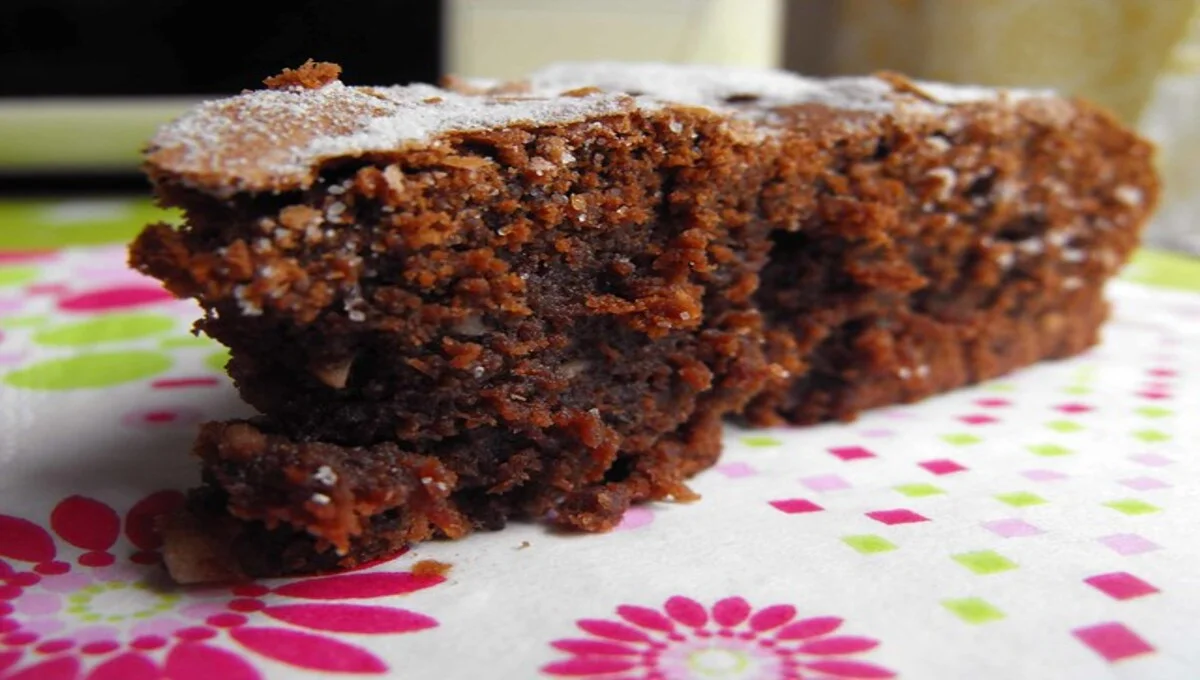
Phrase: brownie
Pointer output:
(461, 305)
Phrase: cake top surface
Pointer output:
(275, 139)
(717, 86)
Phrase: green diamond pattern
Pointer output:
(985, 562)
(869, 544)
(919, 490)
(1153, 411)
(186, 342)
(761, 441)
(973, 610)
(1132, 506)
(1020, 499)
(1050, 450)
(961, 439)
(1064, 426)
(1151, 436)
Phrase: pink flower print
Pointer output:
(114, 297)
(26, 256)
(101, 619)
(687, 641)
(309, 607)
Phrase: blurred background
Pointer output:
(85, 83)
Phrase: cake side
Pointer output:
(943, 235)
(931, 253)
(560, 315)
(557, 311)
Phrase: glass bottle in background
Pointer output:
(1139, 58)
(509, 38)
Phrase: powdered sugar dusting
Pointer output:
(265, 138)
(719, 86)
(421, 113)
(715, 86)
(277, 139)
(965, 94)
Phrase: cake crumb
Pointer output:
(903, 85)
(431, 568)
(325, 475)
(524, 545)
(311, 75)
(1128, 195)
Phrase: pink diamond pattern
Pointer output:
(942, 466)
(796, 506)
(1120, 585)
(1128, 544)
(1152, 459)
(897, 516)
(1154, 394)
(1113, 641)
(849, 453)
(736, 470)
(978, 419)
(1073, 408)
(825, 483)
(1145, 483)
(1162, 372)
(47, 289)
(1011, 528)
(1043, 475)
(992, 402)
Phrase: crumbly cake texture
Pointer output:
(455, 306)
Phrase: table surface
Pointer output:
(1036, 526)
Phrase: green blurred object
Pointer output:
(67, 135)
(1163, 269)
(30, 224)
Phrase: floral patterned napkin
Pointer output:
(1039, 526)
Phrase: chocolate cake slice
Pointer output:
(455, 306)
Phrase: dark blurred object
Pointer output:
(39, 184)
(180, 47)
(86, 82)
